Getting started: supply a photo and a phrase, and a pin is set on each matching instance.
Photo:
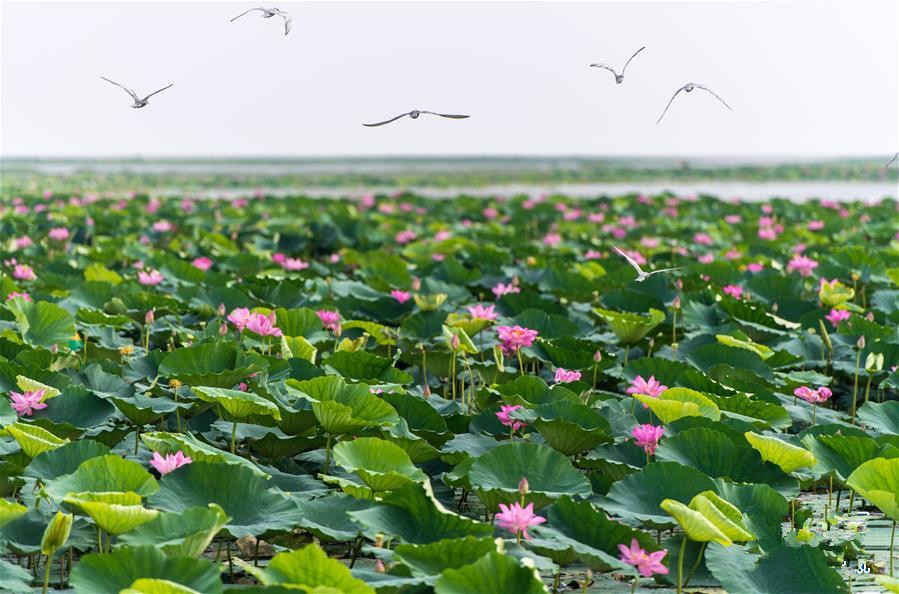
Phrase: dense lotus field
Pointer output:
(470, 396)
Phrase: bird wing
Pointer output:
(631, 58)
(445, 115)
(126, 89)
(663, 270)
(669, 103)
(288, 21)
(154, 92)
(630, 260)
(402, 115)
(606, 66)
(705, 88)
(890, 162)
(245, 12)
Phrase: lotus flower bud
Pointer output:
(597, 356)
(57, 533)
(523, 486)
(54, 348)
(870, 316)
(223, 329)
(860, 343)
(221, 310)
(676, 304)
(149, 317)
(416, 284)
(679, 284)
(454, 342)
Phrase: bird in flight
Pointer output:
(641, 275)
(896, 156)
(268, 13)
(689, 89)
(619, 78)
(138, 102)
(414, 115)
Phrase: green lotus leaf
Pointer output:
(29, 385)
(237, 404)
(891, 584)
(471, 326)
(10, 510)
(381, 465)
(414, 515)
(840, 454)
(421, 418)
(104, 473)
(382, 334)
(15, 579)
(785, 455)
(877, 481)
(434, 557)
(42, 324)
(143, 410)
(783, 570)
(298, 347)
(835, 294)
(242, 494)
(726, 517)
(169, 443)
(676, 403)
(308, 568)
(341, 408)
(759, 349)
(630, 328)
(497, 473)
(157, 586)
(465, 343)
(301, 322)
(33, 439)
(365, 366)
(219, 364)
(708, 356)
(571, 427)
(328, 517)
(111, 573)
(418, 449)
(186, 533)
(639, 495)
(695, 524)
(114, 512)
(881, 417)
(491, 573)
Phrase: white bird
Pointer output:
(619, 78)
(689, 89)
(896, 156)
(268, 13)
(414, 115)
(641, 275)
(138, 102)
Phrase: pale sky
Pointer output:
(805, 79)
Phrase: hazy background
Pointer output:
(805, 79)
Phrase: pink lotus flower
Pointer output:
(23, 272)
(294, 264)
(517, 519)
(815, 225)
(647, 436)
(15, 294)
(330, 320)
(438, 257)
(596, 217)
(442, 235)
(733, 219)
(651, 242)
(58, 234)
(837, 315)
(767, 233)
(367, 201)
(171, 461)
(490, 213)
(563, 376)
(755, 267)
(647, 564)
(735, 291)
(505, 419)
(240, 317)
(484, 312)
(528, 204)
(706, 258)
(263, 325)
(767, 208)
(500, 289)
(202, 263)
(650, 387)
(153, 205)
(572, 215)
(592, 255)
(802, 264)
(151, 277)
(23, 242)
(702, 239)
(515, 337)
(405, 236)
(278, 258)
(25, 404)
(552, 239)
(401, 296)
(813, 396)
(162, 226)
(733, 254)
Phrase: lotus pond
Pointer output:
(462, 396)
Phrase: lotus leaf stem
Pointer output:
(892, 536)
(680, 565)
(47, 575)
(858, 360)
(695, 564)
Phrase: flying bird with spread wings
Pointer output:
(641, 274)
(414, 115)
(689, 89)
(619, 78)
(268, 13)
(138, 101)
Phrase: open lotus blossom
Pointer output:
(515, 337)
(442, 235)
(735, 291)
(733, 254)
(278, 258)
(483, 312)
(405, 236)
(23, 272)
(162, 226)
(651, 387)
(592, 255)
(517, 519)
(755, 267)
(815, 225)
(263, 325)
(294, 264)
(802, 264)
(26, 403)
(150, 277)
(702, 239)
(401, 296)
(838, 315)
(733, 219)
(330, 320)
(58, 234)
(647, 436)
(646, 564)
(23, 242)
(500, 289)
(240, 317)
(15, 294)
(505, 419)
(822, 394)
(170, 462)
(706, 258)
(202, 263)
(563, 376)
(552, 239)
(490, 213)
